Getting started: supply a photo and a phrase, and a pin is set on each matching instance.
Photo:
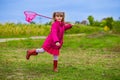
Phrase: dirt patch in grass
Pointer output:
(96, 35)
(115, 49)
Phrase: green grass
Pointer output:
(11, 30)
(91, 57)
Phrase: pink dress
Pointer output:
(56, 35)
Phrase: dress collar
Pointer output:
(60, 23)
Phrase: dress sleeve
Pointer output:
(68, 26)
(54, 31)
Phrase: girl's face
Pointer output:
(58, 16)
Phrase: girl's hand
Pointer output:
(57, 44)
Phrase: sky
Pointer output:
(75, 10)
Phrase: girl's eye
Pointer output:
(59, 15)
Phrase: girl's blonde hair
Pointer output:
(59, 14)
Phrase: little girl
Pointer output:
(54, 40)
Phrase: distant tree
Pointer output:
(109, 22)
(116, 27)
(91, 20)
(96, 23)
(103, 23)
(48, 23)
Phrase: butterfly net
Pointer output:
(31, 15)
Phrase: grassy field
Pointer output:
(11, 30)
(92, 57)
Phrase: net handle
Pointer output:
(38, 14)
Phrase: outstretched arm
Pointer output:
(68, 26)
